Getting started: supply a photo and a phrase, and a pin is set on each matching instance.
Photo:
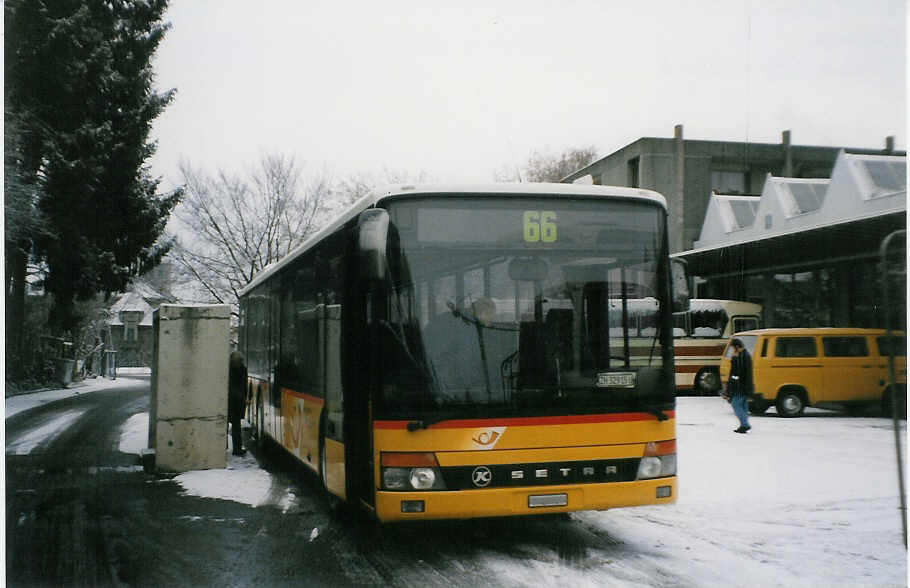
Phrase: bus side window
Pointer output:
(764, 348)
(744, 323)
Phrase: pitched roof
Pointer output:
(140, 297)
(861, 186)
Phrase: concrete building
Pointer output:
(687, 171)
(794, 228)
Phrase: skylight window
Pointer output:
(807, 197)
(888, 176)
(744, 212)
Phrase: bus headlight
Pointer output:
(649, 467)
(659, 460)
(422, 478)
(411, 471)
(395, 478)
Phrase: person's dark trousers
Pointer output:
(236, 436)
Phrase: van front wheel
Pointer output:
(790, 404)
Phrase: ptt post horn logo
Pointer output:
(481, 476)
(487, 439)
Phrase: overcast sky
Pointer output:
(458, 90)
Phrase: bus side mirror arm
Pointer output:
(372, 235)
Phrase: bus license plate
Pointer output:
(616, 380)
(540, 500)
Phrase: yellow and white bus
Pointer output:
(701, 334)
(456, 352)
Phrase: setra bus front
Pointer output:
(510, 374)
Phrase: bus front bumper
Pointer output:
(464, 504)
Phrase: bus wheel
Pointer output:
(790, 404)
(332, 500)
(707, 382)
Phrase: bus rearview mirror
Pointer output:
(681, 291)
(372, 235)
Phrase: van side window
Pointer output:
(900, 346)
(795, 347)
(845, 346)
(764, 348)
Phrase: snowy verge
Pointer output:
(16, 404)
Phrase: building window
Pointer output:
(728, 182)
(634, 179)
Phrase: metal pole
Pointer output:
(894, 401)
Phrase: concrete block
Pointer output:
(188, 409)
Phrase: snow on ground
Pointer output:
(242, 481)
(811, 501)
(35, 437)
(16, 404)
(134, 434)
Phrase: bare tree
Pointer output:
(544, 167)
(351, 188)
(231, 227)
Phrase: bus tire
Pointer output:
(790, 403)
(707, 382)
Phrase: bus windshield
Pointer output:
(524, 306)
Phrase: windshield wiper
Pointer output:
(469, 412)
(426, 423)
(423, 424)
(659, 413)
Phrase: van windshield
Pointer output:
(748, 343)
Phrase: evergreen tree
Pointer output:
(80, 83)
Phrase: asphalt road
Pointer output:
(80, 512)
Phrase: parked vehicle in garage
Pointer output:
(700, 335)
(823, 367)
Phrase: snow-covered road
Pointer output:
(811, 501)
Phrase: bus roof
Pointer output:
(396, 191)
(737, 306)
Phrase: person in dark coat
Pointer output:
(739, 386)
(236, 399)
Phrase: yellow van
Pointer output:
(841, 367)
